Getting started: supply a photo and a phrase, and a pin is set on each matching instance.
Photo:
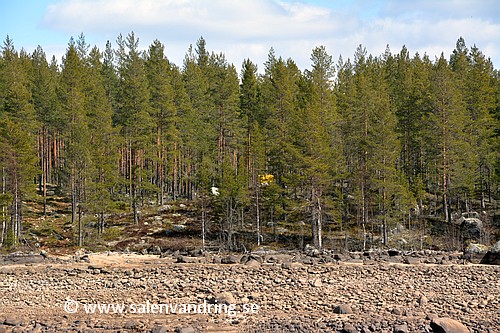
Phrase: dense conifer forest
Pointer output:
(349, 148)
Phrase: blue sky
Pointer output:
(249, 28)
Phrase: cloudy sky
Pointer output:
(249, 28)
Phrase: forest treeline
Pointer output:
(364, 143)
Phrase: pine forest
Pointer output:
(343, 155)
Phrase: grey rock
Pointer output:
(160, 329)
(130, 324)
(393, 252)
(164, 208)
(316, 283)
(401, 328)
(13, 321)
(471, 226)
(224, 297)
(496, 248)
(187, 260)
(339, 257)
(231, 259)
(188, 329)
(476, 248)
(252, 263)
(349, 328)
(179, 227)
(249, 257)
(422, 300)
(412, 260)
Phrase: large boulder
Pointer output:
(230, 259)
(471, 227)
(19, 258)
(492, 257)
(475, 253)
(496, 248)
(448, 325)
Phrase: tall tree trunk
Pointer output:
(445, 176)
(73, 193)
(385, 218)
(203, 222)
(257, 215)
(4, 209)
(44, 170)
(15, 220)
(80, 227)
(319, 224)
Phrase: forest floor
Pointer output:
(116, 292)
(177, 226)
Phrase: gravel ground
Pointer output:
(259, 295)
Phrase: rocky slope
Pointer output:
(283, 292)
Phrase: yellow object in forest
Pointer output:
(266, 179)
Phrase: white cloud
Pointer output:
(242, 19)
(247, 29)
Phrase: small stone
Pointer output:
(13, 321)
(422, 300)
(160, 329)
(397, 311)
(343, 309)
(316, 283)
(130, 325)
(349, 328)
(225, 298)
(401, 328)
(188, 329)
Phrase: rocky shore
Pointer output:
(388, 291)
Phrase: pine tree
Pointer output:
(17, 138)
(109, 75)
(481, 105)
(254, 155)
(134, 117)
(320, 139)
(250, 109)
(75, 126)
(280, 90)
(371, 144)
(197, 131)
(44, 85)
(164, 114)
(225, 117)
(102, 175)
(225, 120)
(182, 171)
(422, 147)
(449, 123)
(473, 74)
